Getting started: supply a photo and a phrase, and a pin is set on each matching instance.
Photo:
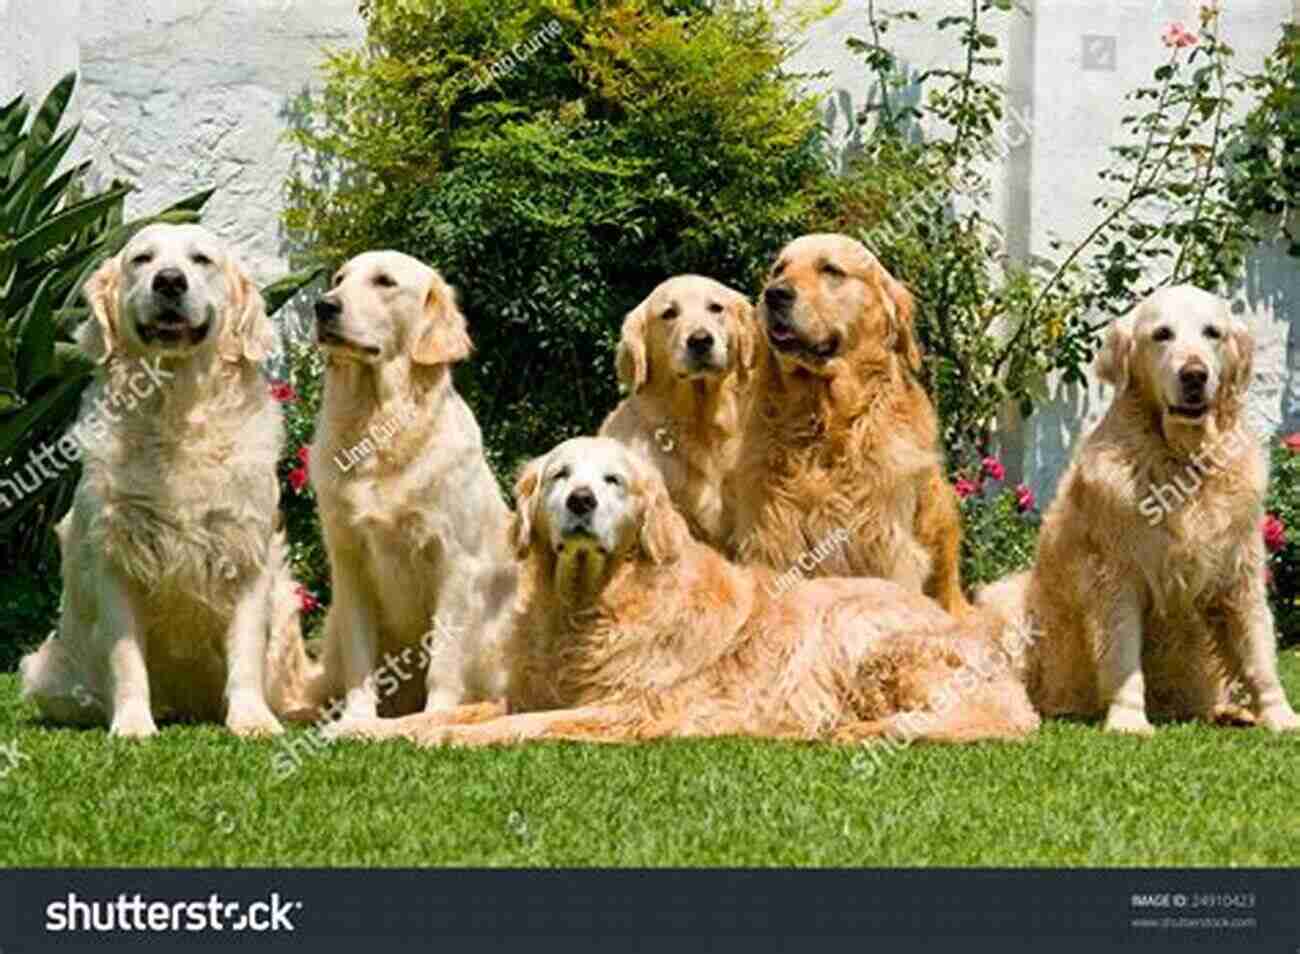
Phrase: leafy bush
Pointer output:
(638, 139)
(1000, 524)
(1282, 537)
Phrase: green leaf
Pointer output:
(37, 416)
(62, 227)
(50, 114)
(279, 292)
(36, 333)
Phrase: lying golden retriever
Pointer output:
(840, 472)
(414, 522)
(627, 628)
(1148, 587)
(686, 356)
(177, 597)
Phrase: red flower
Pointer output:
(1024, 498)
(304, 455)
(1274, 531)
(307, 601)
(966, 488)
(993, 468)
(1178, 36)
(298, 479)
(1292, 442)
(283, 392)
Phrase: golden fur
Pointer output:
(177, 597)
(627, 629)
(684, 406)
(413, 519)
(842, 436)
(1148, 587)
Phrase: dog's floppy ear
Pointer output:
(904, 306)
(664, 534)
(633, 362)
(521, 524)
(97, 337)
(1116, 354)
(444, 339)
(1240, 356)
(248, 334)
(747, 341)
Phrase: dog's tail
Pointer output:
(293, 680)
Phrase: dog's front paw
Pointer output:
(1280, 718)
(1123, 719)
(133, 723)
(253, 721)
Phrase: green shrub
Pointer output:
(643, 138)
(1282, 536)
(999, 524)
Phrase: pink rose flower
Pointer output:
(1024, 498)
(1274, 531)
(1177, 36)
(993, 468)
(298, 479)
(304, 455)
(966, 487)
(307, 601)
(1292, 442)
(283, 392)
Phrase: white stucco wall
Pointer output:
(178, 95)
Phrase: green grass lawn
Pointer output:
(1072, 796)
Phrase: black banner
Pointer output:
(911, 910)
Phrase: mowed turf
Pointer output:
(1194, 795)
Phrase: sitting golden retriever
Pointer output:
(177, 597)
(1148, 587)
(840, 472)
(686, 356)
(627, 628)
(414, 522)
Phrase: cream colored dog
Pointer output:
(414, 521)
(1148, 588)
(686, 356)
(628, 629)
(177, 598)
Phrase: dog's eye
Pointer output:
(385, 281)
(201, 260)
(561, 474)
(338, 280)
(715, 308)
(1213, 333)
(144, 258)
(780, 268)
(669, 315)
(1163, 334)
(833, 270)
(614, 480)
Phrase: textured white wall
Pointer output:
(178, 95)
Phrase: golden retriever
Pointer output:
(177, 597)
(686, 356)
(414, 521)
(627, 628)
(840, 472)
(1148, 586)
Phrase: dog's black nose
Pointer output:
(327, 311)
(170, 282)
(581, 502)
(778, 297)
(700, 343)
(1193, 379)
